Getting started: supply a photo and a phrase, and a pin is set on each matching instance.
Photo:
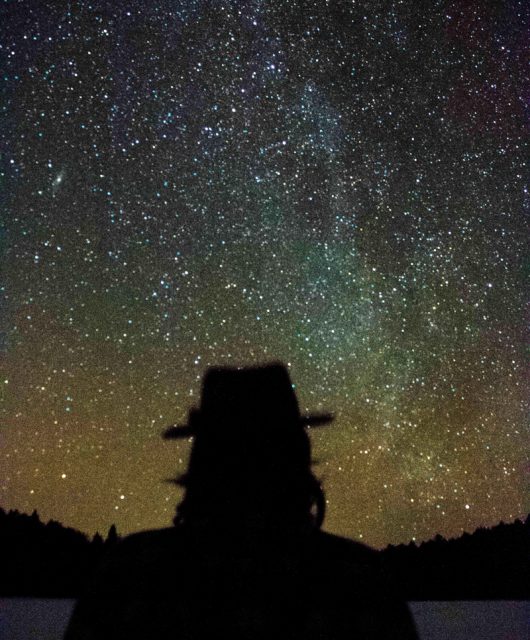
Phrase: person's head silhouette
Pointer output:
(250, 463)
(247, 558)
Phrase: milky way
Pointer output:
(336, 185)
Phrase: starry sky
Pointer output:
(336, 185)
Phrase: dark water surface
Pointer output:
(41, 619)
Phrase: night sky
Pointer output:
(336, 185)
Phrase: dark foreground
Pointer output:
(46, 619)
(51, 561)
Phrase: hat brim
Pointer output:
(178, 431)
(182, 431)
(317, 419)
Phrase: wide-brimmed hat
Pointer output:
(261, 396)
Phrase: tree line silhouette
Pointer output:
(40, 559)
(489, 564)
(46, 560)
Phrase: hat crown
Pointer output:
(234, 397)
(252, 395)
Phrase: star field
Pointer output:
(337, 185)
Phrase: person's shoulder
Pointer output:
(149, 544)
(139, 547)
(347, 559)
(139, 560)
(358, 571)
(150, 538)
(360, 579)
(345, 547)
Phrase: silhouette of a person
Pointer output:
(246, 558)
